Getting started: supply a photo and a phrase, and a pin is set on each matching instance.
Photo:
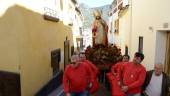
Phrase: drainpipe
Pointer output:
(130, 32)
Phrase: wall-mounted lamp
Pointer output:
(150, 28)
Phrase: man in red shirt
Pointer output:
(113, 76)
(76, 78)
(94, 72)
(117, 68)
(89, 63)
(133, 75)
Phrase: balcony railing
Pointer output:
(50, 14)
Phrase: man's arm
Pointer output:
(114, 68)
(147, 79)
(89, 71)
(94, 68)
(140, 80)
(120, 71)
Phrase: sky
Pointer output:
(95, 3)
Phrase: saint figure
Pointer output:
(99, 30)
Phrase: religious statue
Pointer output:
(99, 30)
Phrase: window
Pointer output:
(140, 47)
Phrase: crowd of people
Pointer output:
(127, 78)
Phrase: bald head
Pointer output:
(158, 69)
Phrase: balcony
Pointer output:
(50, 14)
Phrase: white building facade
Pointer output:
(142, 26)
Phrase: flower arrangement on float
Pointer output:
(103, 56)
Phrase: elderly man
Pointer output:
(76, 78)
(156, 82)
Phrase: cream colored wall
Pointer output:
(31, 39)
(124, 29)
(145, 14)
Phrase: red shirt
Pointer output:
(117, 70)
(75, 79)
(93, 68)
(93, 75)
(133, 77)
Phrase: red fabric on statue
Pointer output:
(94, 29)
(115, 88)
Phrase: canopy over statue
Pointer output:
(99, 30)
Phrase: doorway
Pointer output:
(162, 52)
(167, 55)
(55, 60)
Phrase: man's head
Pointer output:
(158, 68)
(75, 59)
(138, 58)
(125, 58)
(82, 56)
